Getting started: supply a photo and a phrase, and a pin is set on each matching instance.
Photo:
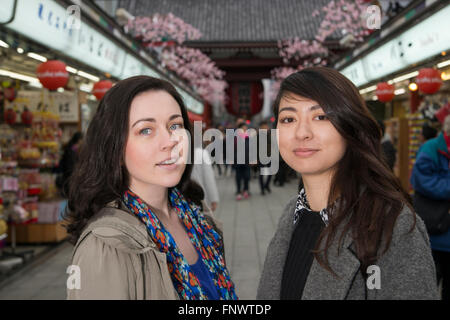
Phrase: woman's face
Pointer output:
(156, 133)
(308, 142)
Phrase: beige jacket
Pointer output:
(118, 260)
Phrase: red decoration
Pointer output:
(10, 116)
(195, 117)
(27, 117)
(245, 99)
(256, 102)
(429, 80)
(100, 88)
(384, 92)
(10, 93)
(52, 74)
(442, 113)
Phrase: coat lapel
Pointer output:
(322, 285)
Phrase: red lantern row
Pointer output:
(385, 92)
(100, 88)
(428, 81)
(26, 116)
(52, 74)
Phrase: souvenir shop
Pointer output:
(49, 89)
(405, 82)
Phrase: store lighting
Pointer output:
(88, 76)
(412, 86)
(35, 84)
(405, 76)
(86, 87)
(445, 76)
(71, 70)
(60, 89)
(18, 76)
(36, 56)
(443, 64)
(4, 44)
(374, 98)
(399, 91)
(368, 89)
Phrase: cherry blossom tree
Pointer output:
(161, 30)
(165, 34)
(278, 75)
(198, 70)
(297, 49)
(345, 16)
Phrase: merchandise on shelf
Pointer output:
(8, 147)
(28, 156)
(415, 123)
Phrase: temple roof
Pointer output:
(238, 20)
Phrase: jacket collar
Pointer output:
(302, 205)
(115, 225)
(345, 264)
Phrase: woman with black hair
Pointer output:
(351, 232)
(133, 212)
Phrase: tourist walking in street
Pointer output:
(68, 161)
(203, 174)
(351, 232)
(241, 162)
(264, 137)
(134, 211)
(430, 179)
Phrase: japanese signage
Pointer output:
(63, 104)
(418, 43)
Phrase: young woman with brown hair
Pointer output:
(134, 214)
(351, 232)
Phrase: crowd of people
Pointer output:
(246, 163)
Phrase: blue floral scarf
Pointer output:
(202, 235)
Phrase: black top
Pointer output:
(299, 258)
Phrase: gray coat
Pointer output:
(407, 269)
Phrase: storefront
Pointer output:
(404, 81)
(37, 119)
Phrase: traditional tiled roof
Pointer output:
(238, 20)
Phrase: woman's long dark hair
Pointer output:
(100, 176)
(369, 196)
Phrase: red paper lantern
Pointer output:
(10, 116)
(442, 113)
(384, 92)
(100, 88)
(10, 93)
(52, 74)
(27, 117)
(429, 80)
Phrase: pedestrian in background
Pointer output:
(351, 232)
(242, 162)
(389, 151)
(427, 133)
(264, 174)
(203, 174)
(430, 179)
(68, 161)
